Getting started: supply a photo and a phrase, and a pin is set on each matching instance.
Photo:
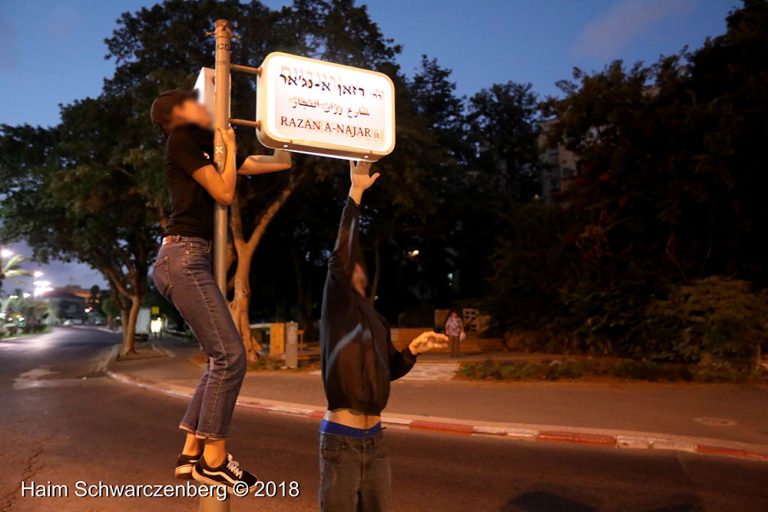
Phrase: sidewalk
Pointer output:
(725, 419)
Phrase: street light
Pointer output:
(38, 273)
(6, 253)
(41, 288)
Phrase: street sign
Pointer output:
(205, 85)
(316, 107)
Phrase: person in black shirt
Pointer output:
(358, 362)
(183, 274)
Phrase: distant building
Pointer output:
(68, 302)
(561, 166)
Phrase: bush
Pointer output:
(717, 318)
(602, 368)
(717, 315)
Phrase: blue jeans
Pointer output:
(182, 273)
(354, 474)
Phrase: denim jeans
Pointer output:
(354, 474)
(182, 273)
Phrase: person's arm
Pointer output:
(263, 164)
(220, 185)
(342, 259)
(360, 179)
(401, 361)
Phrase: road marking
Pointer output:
(431, 372)
(43, 378)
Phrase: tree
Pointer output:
(504, 127)
(668, 194)
(433, 98)
(153, 51)
(23, 149)
(10, 267)
(669, 177)
(111, 309)
(90, 186)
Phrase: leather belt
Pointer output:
(171, 239)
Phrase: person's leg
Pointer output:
(215, 452)
(340, 470)
(196, 296)
(193, 445)
(376, 480)
(452, 340)
(192, 414)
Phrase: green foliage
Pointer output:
(25, 314)
(530, 266)
(11, 267)
(504, 127)
(667, 198)
(716, 315)
(629, 370)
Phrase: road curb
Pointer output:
(521, 432)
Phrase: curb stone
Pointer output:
(592, 437)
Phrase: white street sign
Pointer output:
(206, 86)
(321, 108)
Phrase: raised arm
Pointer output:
(360, 179)
(342, 260)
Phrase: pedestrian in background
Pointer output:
(454, 328)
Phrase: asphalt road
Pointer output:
(63, 421)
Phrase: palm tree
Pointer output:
(10, 266)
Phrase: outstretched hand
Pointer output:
(427, 341)
(360, 179)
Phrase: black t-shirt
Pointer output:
(187, 149)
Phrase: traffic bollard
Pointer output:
(292, 345)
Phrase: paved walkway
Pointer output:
(731, 413)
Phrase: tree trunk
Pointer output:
(239, 306)
(245, 249)
(129, 326)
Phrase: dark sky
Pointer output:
(52, 51)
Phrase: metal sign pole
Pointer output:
(221, 121)
(223, 36)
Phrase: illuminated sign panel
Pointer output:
(317, 107)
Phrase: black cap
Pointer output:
(162, 107)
